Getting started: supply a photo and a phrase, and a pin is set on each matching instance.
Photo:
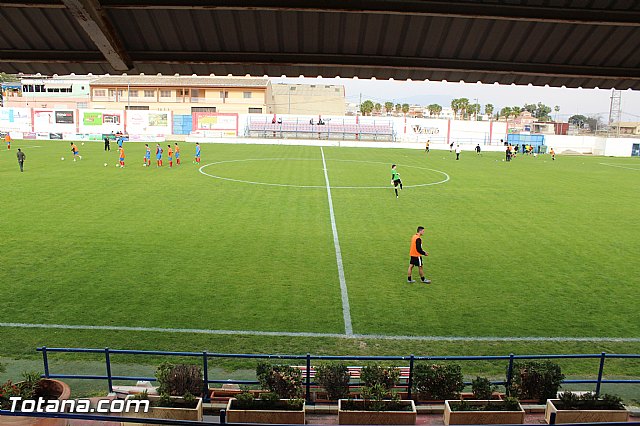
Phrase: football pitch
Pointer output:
(267, 248)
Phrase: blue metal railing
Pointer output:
(308, 358)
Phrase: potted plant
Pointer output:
(535, 380)
(32, 387)
(180, 388)
(269, 408)
(587, 408)
(281, 405)
(334, 379)
(378, 406)
(481, 388)
(501, 411)
(437, 382)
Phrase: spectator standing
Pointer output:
(21, 158)
(458, 150)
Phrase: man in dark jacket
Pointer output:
(21, 158)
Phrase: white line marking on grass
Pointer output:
(201, 170)
(621, 167)
(346, 311)
(326, 335)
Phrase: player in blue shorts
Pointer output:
(147, 155)
(176, 149)
(197, 153)
(158, 155)
(76, 153)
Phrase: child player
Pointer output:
(147, 155)
(158, 155)
(177, 151)
(7, 139)
(121, 155)
(170, 155)
(197, 152)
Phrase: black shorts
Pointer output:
(397, 182)
(416, 261)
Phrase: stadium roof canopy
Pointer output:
(572, 43)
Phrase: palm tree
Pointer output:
(434, 109)
(388, 107)
(366, 107)
(405, 108)
(463, 104)
(378, 108)
(516, 111)
(398, 108)
(455, 106)
(506, 112)
(488, 109)
(557, 110)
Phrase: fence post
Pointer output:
(108, 361)
(509, 374)
(552, 418)
(223, 416)
(410, 381)
(45, 360)
(205, 366)
(600, 371)
(308, 380)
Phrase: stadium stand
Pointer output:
(378, 131)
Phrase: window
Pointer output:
(255, 110)
(137, 107)
(292, 88)
(99, 92)
(224, 94)
(82, 105)
(133, 93)
(247, 95)
(165, 93)
(112, 93)
(40, 88)
(203, 109)
(149, 93)
(183, 92)
(120, 93)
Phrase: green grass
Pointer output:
(528, 248)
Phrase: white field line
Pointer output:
(621, 167)
(346, 310)
(323, 335)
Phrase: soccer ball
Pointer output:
(117, 165)
(535, 154)
(82, 143)
(144, 164)
(105, 164)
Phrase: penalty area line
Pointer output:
(324, 335)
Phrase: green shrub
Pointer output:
(438, 381)
(334, 378)
(372, 375)
(539, 380)
(589, 401)
(283, 380)
(482, 388)
(177, 380)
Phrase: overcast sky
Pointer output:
(571, 101)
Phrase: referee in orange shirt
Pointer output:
(416, 252)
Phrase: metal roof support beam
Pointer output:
(452, 9)
(95, 23)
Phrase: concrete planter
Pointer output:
(481, 417)
(234, 415)
(53, 389)
(363, 417)
(584, 416)
(167, 412)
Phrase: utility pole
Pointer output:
(615, 114)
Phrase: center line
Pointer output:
(346, 311)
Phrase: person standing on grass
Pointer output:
(416, 252)
(553, 154)
(158, 155)
(170, 155)
(147, 155)
(121, 155)
(458, 150)
(478, 149)
(21, 158)
(426, 148)
(76, 153)
(107, 144)
(395, 179)
(177, 151)
(7, 139)
(197, 152)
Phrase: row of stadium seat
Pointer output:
(382, 129)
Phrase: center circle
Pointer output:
(202, 170)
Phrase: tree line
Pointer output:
(464, 109)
